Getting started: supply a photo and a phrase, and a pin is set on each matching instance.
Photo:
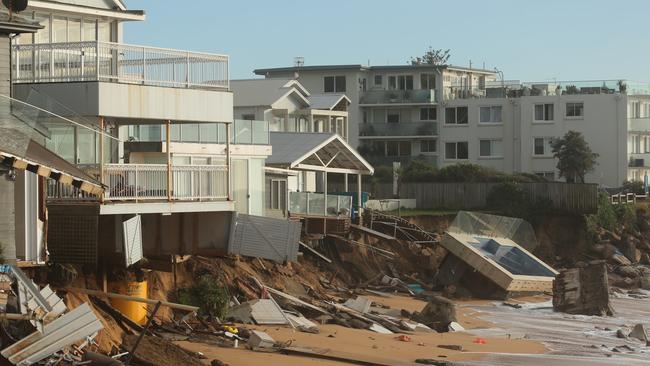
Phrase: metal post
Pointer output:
(359, 203)
(228, 165)
(144, 331)
(325, 202)
(101, 154)
(345, 182)
(187, 71)
(307, 210)
(168, 142)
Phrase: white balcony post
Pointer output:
(97, 60)
(228, 183)
(187, 71)
(307, 209)
(144, 66)
(101, 154)
(359, 204)
(168, 129)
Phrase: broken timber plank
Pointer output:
(313, 251)
(333, 355)
(132, 298)
(295, 300)
(373, 232)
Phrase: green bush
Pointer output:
(418, 171)
(633, 186)
(605, 217)
(508, 198)
(211, 298)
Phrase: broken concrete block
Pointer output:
(583, 290)
(456, 327)
(641, 333)
(438, 313)
(261, 311)
(360, 304)
(622, 333)
(453, 347)
(259, 339)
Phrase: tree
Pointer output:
(432, 57)
(575, 158)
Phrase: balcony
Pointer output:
(403, 160)
(404, 129)
(639, 124)
(115, 62)
(377, 97)
(125, 81)
(639, 160)
(313, 204)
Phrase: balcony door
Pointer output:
(240, 185)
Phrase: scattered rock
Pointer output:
(640, 332)
(622, 333)
(260, 340)
(437, 314)
(627, 271)
(427, 361)
(216, 362)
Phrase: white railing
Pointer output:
(150, 182)
(116, 62)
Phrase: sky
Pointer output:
(529, 40)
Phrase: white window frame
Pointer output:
(335, 90)
(544, 174)
(573, 104)
(491, 156)
(547, 145)
(428, 75)
(428, 144)
(277, 193)
(545, 119)
(381, 80)
(492, 120)
(455, 123)
(397, 77)
(428, 113)
(456, 150)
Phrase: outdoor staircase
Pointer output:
(397, 227)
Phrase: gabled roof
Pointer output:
(316, 151)
(265, 92)
(358, 67)
(115, 9)
(326, 101)
(17, 24)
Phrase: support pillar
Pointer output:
(228, 166)
(102, 128)
(359, 203)
(345, 182)
(168, 143)
(325, 203)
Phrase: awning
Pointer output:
(316, 152)
(39, 160)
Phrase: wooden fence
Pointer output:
(574, 198)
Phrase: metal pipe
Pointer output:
(112, 295)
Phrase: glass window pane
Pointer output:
(104, 31)
(409, 82)
(392, 82)
(74, 30)
(496, 114)
(496, 148)
(43, 35)
(59, 30)
(176, 133)
(260, 132)
(221, 133)
(62, 142)
(549, 111)
(208, 132)
(150, 133)
(484, 149)
(87, 146)
(190, 132)
(392, 148)
(405, 148)
(462, 150)
(378, 80)
(89, 30)
(450, 115)
(539, 146)
(450, 150)
(340, 84)
(539, 112)
(485, 114)
(328, 84)
(462, 117)
(393, 117)
(379, 116)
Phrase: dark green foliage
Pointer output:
(575, 158)
(432, 57)
(211, 298)
(419, 171)
(383, 174)
(633, 186)
(509, 199)
(610, 216)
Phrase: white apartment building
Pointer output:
(447, 115)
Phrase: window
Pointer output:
(456, 115)
(379, 116)
(401, 82)
(542, 146)
(89, 30)
(544, 112)
(456, 151)
(549, 176)
(490, 148)
(379, 80)
(334, 84)
(490, 114)
(428, 114)
(59, 29)
(427, 81)
(635, 109)
(392, 117)
(428, 146)
(398, 148)
(575, 109)
(647, 144)
(405, 148)
(278, 195)
(636, 144)
(248, 117)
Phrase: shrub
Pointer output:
(604, 217)
(633, 186)
(418, 171)
(507, 198)
(211, 298)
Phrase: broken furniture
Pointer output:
(583, 290)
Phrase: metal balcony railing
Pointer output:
(641, 124)
(422, 96)
(150, 182)
(116, 62)
(313, 204)
(423, 128)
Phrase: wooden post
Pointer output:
(345, 182)
(228, 183)
(168, 142)
(359, 196)
(325, 203)
(102, 128)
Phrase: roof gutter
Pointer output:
(132, 15)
